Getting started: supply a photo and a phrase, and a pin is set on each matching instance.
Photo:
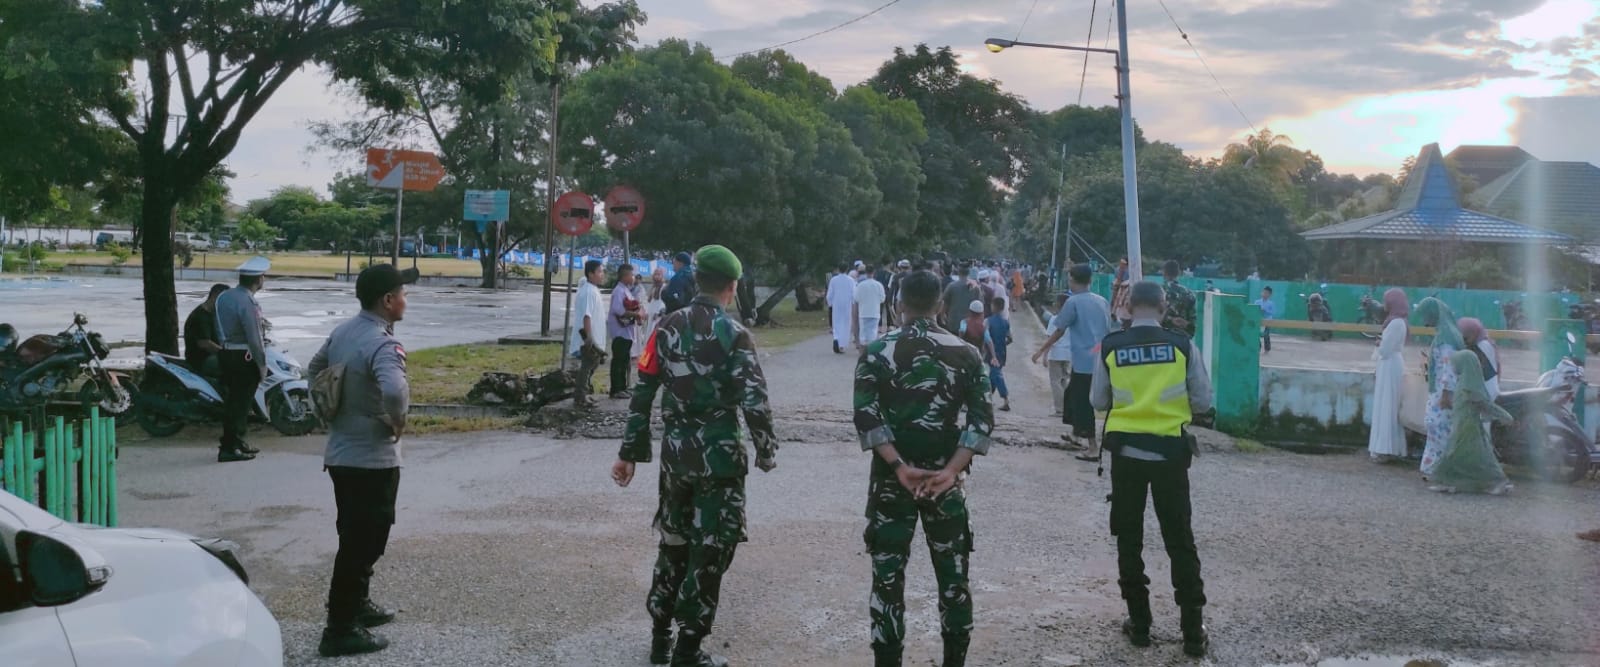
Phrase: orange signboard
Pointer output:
(393, 169)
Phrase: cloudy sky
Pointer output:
(1363, 83)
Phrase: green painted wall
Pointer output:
(1233, 359)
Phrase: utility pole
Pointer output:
(549, 219)
(1056, 235)
(1130, 168)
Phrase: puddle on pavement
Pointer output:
(1385, 661)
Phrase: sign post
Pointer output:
(402, 170)
(488, 207)
(624, 212)
(572, 215)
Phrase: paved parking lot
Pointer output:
(302, 311)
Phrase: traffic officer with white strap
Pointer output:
(243, 360)
(1152, 382)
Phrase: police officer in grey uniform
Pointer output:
(243, 359)
(363, 453)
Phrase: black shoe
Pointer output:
(955, 651)
(350, 641)
(231, 455)
(1138, 635)
(837, 349)
(1137, 625)
(370, 615)
(246, 448)
(1195, 639)
(660, 647)
(687, 653)
(886, 655)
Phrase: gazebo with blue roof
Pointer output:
(1429, 209)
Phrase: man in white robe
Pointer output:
(841, 307)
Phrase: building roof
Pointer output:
(1429, 209)
(1558, 196)
(1487, 163)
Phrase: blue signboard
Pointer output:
(487, 206)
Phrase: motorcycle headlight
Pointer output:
(97, 343)
(227, 552)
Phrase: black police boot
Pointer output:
(1195, 639)
(1137, 625)
(350, 640)
(886, 655)
(660, 646)
(687, 653)
(370, 615)
(955, 650)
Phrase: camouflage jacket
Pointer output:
(911, 386)
(1180, 303)
(706, 361)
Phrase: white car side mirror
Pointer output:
(56, 570)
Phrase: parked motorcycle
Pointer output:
(1546, 435)
(46, 368)
(1589, 314)
(1317, 311)
(176, 394)
(1372, 312)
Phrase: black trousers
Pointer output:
(1078, 411)
(240, 377)
(365, 499)
(621, 363)
(1167, 483)
(1266, 339)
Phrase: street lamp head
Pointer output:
(996, 45)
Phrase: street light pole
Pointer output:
(1055, 236)
(1130, 168)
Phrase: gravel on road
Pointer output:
(516, 549)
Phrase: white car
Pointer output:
(76, 595)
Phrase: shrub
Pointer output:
(119, 254)
(518, 271)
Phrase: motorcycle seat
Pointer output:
(1522, 394)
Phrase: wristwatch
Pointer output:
(896, 464)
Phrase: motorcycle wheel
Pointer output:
(290, 412)
(158, 425)
(113, 401)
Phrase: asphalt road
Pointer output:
(515, 549)
(302, 312)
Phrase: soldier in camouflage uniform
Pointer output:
(910, 389)
(1180, 313)
(706, 362)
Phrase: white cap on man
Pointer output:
(255, 266)
(905, 263)
(976, 306)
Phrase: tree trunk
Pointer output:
(764, 312)
(747, 299)
(488, 255)
(802, 298)
(160, 291)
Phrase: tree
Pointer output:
(975, 133)
(205, 69)
(495, 142)
(1030, 212)
(888, 132)
(1272, 154)
(254, 233)
(776, 180)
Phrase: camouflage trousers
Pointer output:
(701, 522)
(892, 514)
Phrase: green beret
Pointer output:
(720, 260)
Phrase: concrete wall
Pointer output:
(1311, 404)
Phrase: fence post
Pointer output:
(1233, 361)
(111, 472)
(51, 469)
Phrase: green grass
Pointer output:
(427, 424)
(791, 326)
(444, 375)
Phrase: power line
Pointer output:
(1203, 63)
(1034, 6)
(820, 33)
(1087, 42)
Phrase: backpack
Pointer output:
(326, 391)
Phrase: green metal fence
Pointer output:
(69, 469)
